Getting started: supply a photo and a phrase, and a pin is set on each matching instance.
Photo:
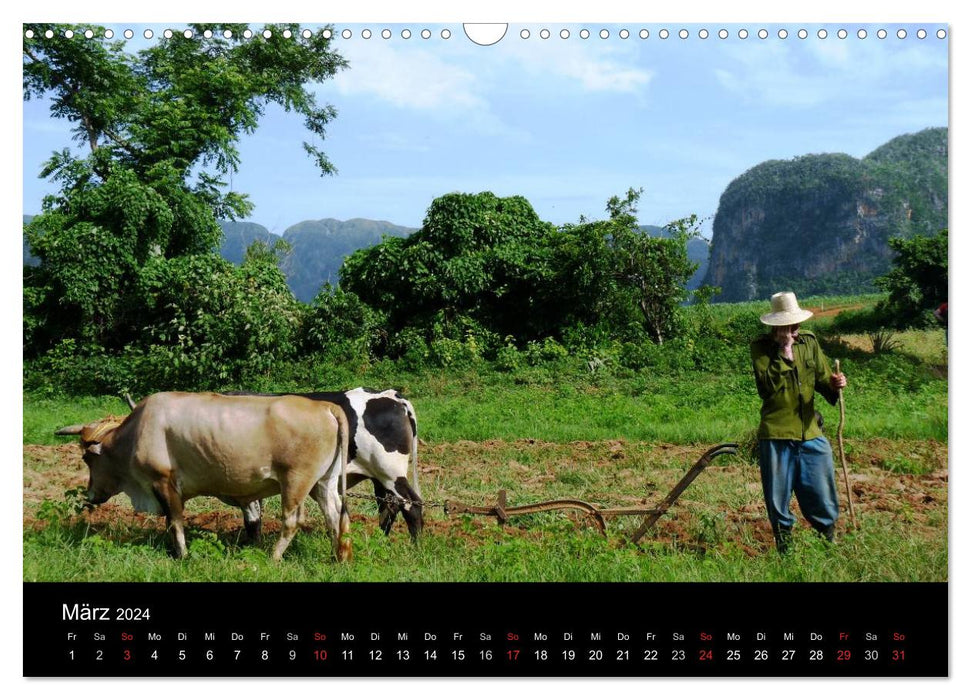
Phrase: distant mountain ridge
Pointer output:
(317, 248)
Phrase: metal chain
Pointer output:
(396, 500)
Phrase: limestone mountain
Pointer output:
(819, 224)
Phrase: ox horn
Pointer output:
(69, 430)
(131, 404)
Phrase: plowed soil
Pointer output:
(609, 474)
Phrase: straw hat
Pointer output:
(785, 311)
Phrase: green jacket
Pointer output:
(787, 387)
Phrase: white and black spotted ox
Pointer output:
(175, 446)
(383, 444)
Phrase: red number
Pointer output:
(320, 654)
(843, 654)
(704, 655)
(513, 654)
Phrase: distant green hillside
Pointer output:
(819, 224)
(318, 248)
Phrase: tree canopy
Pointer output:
(157, 133)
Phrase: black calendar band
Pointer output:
(506, 630)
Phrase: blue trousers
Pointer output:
(803, 467)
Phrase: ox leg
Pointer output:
(335, 515)
(411, 512)
(253, 520)
(290, 501)
(387, 508)
(171, 503)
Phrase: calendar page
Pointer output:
(541, 349)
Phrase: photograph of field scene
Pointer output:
(544, 244)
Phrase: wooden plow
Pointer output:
(502, 511)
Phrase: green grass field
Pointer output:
(614, 437)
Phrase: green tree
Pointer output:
(475, 265)
(158, 133)
(652, 272)
(917, 283)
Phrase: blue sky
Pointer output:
(569, 122)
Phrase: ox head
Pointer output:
(103, 483)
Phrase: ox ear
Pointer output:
(94, 448)
(69, 430)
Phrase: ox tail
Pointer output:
(343, 531)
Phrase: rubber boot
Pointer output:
(783, 540)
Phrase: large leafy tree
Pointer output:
(477, 258)
(156, 136)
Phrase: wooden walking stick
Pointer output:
(839, 438)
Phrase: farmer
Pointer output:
(789, 369)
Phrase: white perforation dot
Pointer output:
(167, 34)
(664, 33)
(683, 34)
(584, 34)
(287, 34)
(822, 34)
(941, 34)
(366, 34)
(109, 34)
(247, 34)
(68, 34)
(763, 34)
(328, 34)
(29, 34)
(267, 34)
(643, 34)
(604, 34)
(703, 34)
(624, 34)
(901, 33)
(306, 33)
(148, 34)
(722, 33)
(49, 34)
(426, 34)
(385, 33)
(802, 33)
(544, 34)
(564, 33)
(783, 34)
(346, 34)
(921, 34)
(88, 34)
(882, 34)
(207, 34)
(446, 33)
(524, 34)
(405, 33)
(227, 34)
(842, 34)
(861, 34)
(743, 33)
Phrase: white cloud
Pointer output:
(827, 71)
(591, 67)
(412, 78)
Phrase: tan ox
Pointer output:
(175, 446)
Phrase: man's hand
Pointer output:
(837, 380)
